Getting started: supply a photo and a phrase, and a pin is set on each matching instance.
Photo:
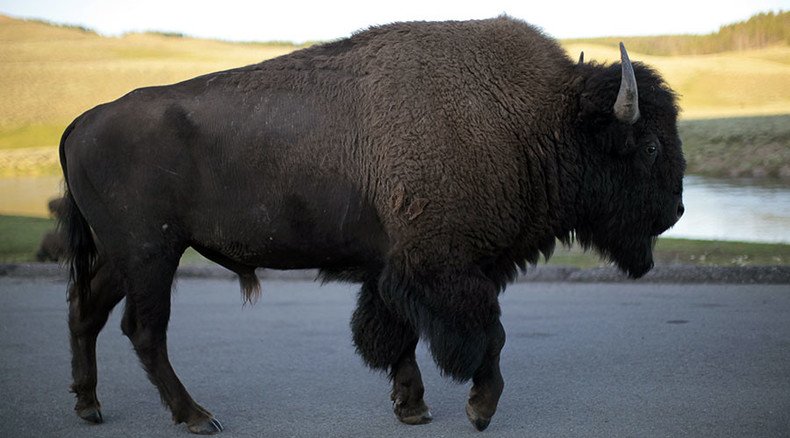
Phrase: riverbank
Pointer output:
(20, 237)
(737, 147)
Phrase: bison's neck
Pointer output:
(548, 181)
(551, 172)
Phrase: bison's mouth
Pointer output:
(659, 227)
(669, 217)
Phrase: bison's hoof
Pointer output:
(418, 418)
(479, 422)
(208, 426)
(91, 414)
(419, 414)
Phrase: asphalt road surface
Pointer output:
(627, 359)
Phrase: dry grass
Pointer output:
(49, 74)
(731, 84)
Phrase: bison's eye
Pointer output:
(651, 152)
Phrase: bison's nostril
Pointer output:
(681, 209)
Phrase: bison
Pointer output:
(428, 161)
(53, 244)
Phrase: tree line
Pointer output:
(761, 30)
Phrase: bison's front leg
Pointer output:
(386, 342)
(457, 309)
(408, 390)
(487, 381)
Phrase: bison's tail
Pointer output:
(80, 251)
(80, 254)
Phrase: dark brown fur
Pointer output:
(428, 161)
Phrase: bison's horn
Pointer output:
(581, 57)
(626, 108)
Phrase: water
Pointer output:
(716, 209)
(734, 209)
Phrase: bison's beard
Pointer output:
(632, 254)
(635, 259)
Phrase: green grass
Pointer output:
(703, 252)
(738, 147)
(191, 257)
(690, 252)
(20, 237)
(31, 136)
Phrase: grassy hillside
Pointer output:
(50, 74)
(730, 84)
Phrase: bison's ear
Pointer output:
(592, 112)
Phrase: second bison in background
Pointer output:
(53, 244)
(427, 161)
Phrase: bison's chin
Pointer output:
(633, 256)
(635, 269)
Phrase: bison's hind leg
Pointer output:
(387, 343)
(145, 323)
(87, 315)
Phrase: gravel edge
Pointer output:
(540, 273)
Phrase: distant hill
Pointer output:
(760, 31)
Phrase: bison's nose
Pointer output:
(681, 209)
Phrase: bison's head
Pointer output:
(633, 164)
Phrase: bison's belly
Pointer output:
(316, 225)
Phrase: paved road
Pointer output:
(585, 360)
